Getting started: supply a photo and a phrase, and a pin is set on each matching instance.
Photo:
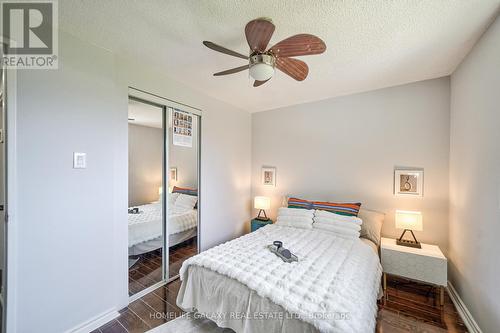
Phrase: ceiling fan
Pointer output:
(261, 63)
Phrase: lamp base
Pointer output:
(410, 243)
(260, 218)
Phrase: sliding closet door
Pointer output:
(3, 201)
(183, 166)
(146, 212)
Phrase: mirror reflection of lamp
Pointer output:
(409, 221)
(262, 203)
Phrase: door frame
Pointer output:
(9, 320)
(165, 104)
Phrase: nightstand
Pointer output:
(427, 265)
(256, 224)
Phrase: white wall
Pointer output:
(65, 216)
(346, 148)
(145, 163)
(475, 180)
(72, 224)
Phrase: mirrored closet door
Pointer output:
(163, 213)
(183, 154)
(146, 156)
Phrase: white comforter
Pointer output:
(334, 285)
(147, 225)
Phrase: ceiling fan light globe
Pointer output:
(261, 71)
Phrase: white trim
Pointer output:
(134, 92)
(11, 235)
(462, 310)
(95, 322)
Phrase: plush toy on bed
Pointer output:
(285, 254)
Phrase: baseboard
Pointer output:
(462, 310)
(95, 322)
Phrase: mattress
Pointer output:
(230, 302)
(147, 225)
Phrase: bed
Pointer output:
(243, 286)
(145, 228)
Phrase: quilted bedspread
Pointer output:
(333, 286)
(148, 224)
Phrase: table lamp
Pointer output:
(409, 221)
(262, 203)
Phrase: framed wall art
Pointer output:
(409, 182)
(269, 176)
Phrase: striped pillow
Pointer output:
(348, 209)
(185, 190)
(299, 203)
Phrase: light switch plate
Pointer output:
(79, 160)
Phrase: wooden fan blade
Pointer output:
(259, 83)
(232, 71)
(299, 45)
(222, 49)
(258, 33)
(293, 67)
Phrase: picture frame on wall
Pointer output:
(268, 176)
(409, 182)
(173, 174)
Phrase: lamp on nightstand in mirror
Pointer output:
(409, 221)
(262, 203)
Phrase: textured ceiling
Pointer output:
(370, 44)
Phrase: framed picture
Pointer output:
(268, 176)
(173, 174)
(409, 182)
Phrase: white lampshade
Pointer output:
(261, 71)
(409, 220)
(262, 203)
(160, 190)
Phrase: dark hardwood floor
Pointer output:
(150, 311)
(147, 270)
(414, 307)
(409, 308)
(179, 253)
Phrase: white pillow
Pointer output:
(372, 224)
(172, 198)
(294, 221)
(185, 203)
(283, 211)
(337, 217)
(337, 223)
(339, 230)
(293, 217)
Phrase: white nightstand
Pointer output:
(427, 264)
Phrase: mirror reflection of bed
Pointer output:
(146, 239)
(146, 191)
